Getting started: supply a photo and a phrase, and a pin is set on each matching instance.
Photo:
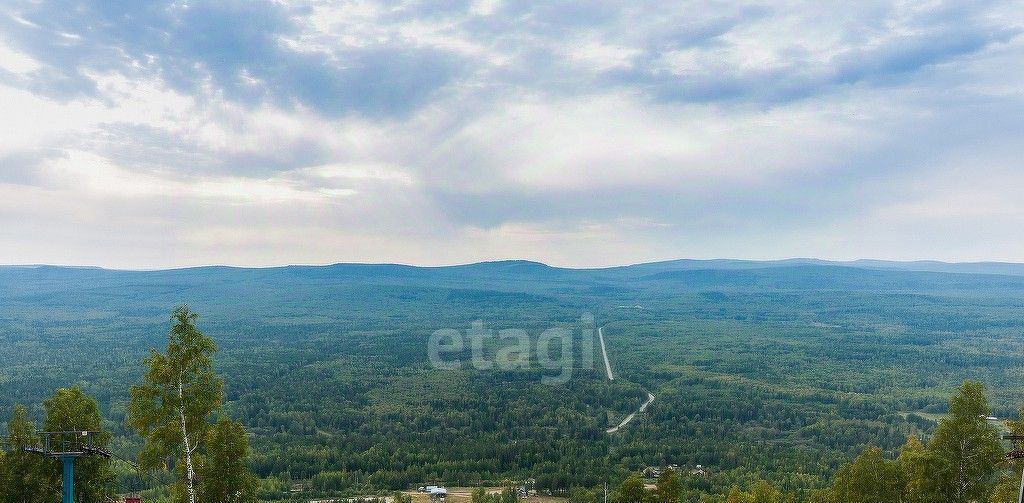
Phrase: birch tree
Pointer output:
(178, 394)
(966, 447)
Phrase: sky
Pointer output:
(149, 134)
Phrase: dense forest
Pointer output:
(962, 462)
(773, 377)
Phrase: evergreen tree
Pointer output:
(179, 392)
(632, 490)
(870, 478)
(509, 495)
(71, 410)
(582, 495)
(223, 475)
(966, 448)
(669, 489)
(764, 492)
(1006, 490)
(480, 495)
(821, 496)
(26, 477)
(915, 465)
(736, 496)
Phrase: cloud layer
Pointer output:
(154, 134)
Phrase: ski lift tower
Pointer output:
(67, 446)
(1017, 453)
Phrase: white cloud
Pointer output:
(600, 57)
(583, 134)
(332, 172)
(484, 7)
(92, 177)
(16, 62)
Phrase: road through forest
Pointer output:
(611, 377)
(604, 353)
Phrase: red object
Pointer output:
(133, 499)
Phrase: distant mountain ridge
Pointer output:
(999, 268)
(529, 267)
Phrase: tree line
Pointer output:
(176, 409)
(962, 462)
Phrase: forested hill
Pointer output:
(797, 364)
(1005, 268)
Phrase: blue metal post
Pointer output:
(69, 479)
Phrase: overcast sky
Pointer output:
(144, 134)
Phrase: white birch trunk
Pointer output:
(190, 473)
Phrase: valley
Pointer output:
(759, 371)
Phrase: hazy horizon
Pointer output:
(502, 260)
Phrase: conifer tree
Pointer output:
(223, 474)
(764, 492)
(870, 478)
(632, 490)
(735, 496)
(668, 488)
(69, 409)
(25, 477)
(915, 466)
